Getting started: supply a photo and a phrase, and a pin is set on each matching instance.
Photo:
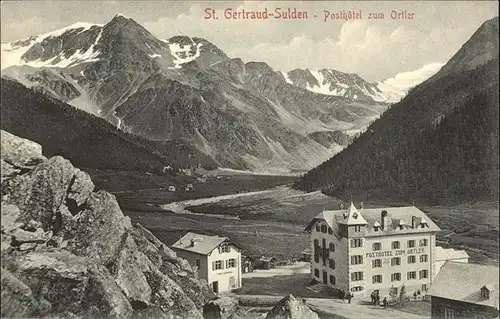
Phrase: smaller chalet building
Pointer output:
(217, 259)
(463, 290)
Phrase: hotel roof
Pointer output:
(204, 244)
(397, 216)
(442, 254)
(463, 282)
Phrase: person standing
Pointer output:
(372, 296)
(349, 296)
(377, 299)
(342, 294)
(385, 302)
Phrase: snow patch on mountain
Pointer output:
(12, 52)
(287, 78)
(184, 53)
(395, 88)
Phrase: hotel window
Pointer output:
(411, 243)
(423, 242)
(357, 288)
(332, 279)
(412, 259)
(411, 275)
(357, 228)
(424, 287)
(356, 243)
(376, 263)
(231, 263)
(396, 276)
(331, 263)
(376, 246)
(485, 294)
(317, 228)
(198, 263)
(423, 258)
(323, 229)
(395, 245)
(423, 274)
(330, 231)
(331, 246)
(396, 261)
(356, 259)
(316, 273)
(218, 265)
(358, 275)
(424, 225)
(377, 279)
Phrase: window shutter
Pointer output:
(221, 264)
(213, 265)
(227, 263)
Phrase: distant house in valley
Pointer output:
(463, 290)
(217, 259)
(265, 263)
(189, 187)
(247, 264)
(171, 188)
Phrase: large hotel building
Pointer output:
(373, 250)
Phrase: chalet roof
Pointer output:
(205, 244)
(372, 216)
(463, 282)
(442, 254)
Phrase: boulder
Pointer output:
(40, 193)
(17, 299)
(81, 188)
(291, 308)
(99, 231)
(128, 271)
(19, 151)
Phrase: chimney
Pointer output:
(383, 219)
(413, 222)
(193, 243)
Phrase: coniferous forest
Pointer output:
(87, 140)
(439, 145)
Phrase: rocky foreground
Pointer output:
(68, 251)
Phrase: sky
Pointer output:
(374, 49)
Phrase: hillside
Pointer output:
(439, 144)
(68, 251)
(85, 139)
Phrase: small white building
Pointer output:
(217, 259)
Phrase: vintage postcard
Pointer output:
(250, 159)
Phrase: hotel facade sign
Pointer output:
(395, 252)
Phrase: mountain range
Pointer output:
(186, 90)
(440, 143)
(352, 86)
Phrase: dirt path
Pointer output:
(354, 310)
(336, 308)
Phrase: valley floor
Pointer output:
(263, 215)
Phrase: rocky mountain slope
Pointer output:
(440, 143)
(352, 86)
(68, 251)
(242, 115)
(85, 139)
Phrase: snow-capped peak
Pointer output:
(13, 52)
(395, 88)
(121, 16)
